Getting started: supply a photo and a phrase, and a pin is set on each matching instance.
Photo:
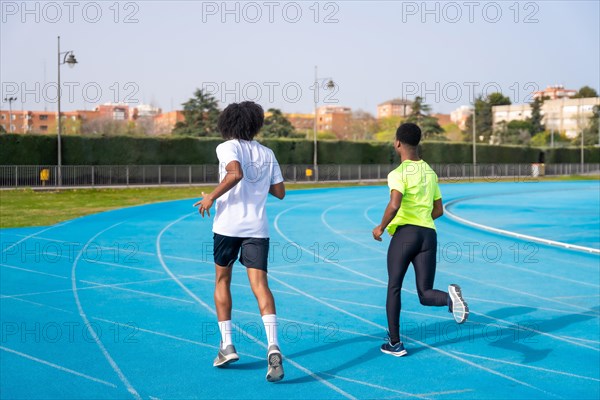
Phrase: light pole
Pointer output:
(330, 85)
(10, 100)
(474, 141)
(66, 57)
(582, 130)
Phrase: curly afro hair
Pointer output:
(241, 120)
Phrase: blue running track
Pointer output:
(119, 304)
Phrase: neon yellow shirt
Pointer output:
(418, 184)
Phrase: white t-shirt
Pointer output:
(241, 211)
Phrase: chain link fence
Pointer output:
(152, 175)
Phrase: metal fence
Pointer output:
(141, 175)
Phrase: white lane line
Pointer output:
(504, 303)
(552, 371)
(124, 266)
(241, 285)
(99, 285)
(58, 367)
(387, 389)
(212, 311)
(173, 337)
(528, 328)
(279, 267)
(366, 214)
(33, 235)
(504, 232)
(582, 339)
(92, 261)
(35, 303)
(133, 252)
(83, 316)
(326, 279)
(481, 282)
(104, 285)
(324, 221)
(447, 392)
(33, 271)
(312, 325)
(585, 296)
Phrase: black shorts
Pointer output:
(254, 251)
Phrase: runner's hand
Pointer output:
(377, 232)
(204, 205)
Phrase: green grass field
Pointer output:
(26, 207)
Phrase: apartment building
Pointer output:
(335, 119)
(394, 108)
(565, 115)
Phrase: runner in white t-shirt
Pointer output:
(248, 172)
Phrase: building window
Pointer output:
(43, 117)
(43, 127)
(119, 114)
(3, 117)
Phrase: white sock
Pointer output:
(270, 321)
(225, 328)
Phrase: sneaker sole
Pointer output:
(275, 371)
(456, 297)
(229, 359)
(395, 353)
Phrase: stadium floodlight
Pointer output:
(329, 85)
(65, 57)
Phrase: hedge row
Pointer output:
(123, 150)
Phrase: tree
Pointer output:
(585, 92)
(105, 126)
(484, 116)
(536, 117)
(546, 138)
(362, 125)
(419, 115)
(386, 128)
(515, 132)
(277, 125)
(201, 114)
(590, 133)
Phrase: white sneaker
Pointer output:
(458, 306)
(275, 361)
(226, 356)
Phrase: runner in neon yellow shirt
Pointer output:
(419, 187)
(415, 201)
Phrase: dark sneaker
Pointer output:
(275, 361)
(458, 306)
(226, 356)
(397, 349)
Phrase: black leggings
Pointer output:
(418, 245)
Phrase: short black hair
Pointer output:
(241, 120)
(409, 133)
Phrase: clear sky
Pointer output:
(160, 51)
